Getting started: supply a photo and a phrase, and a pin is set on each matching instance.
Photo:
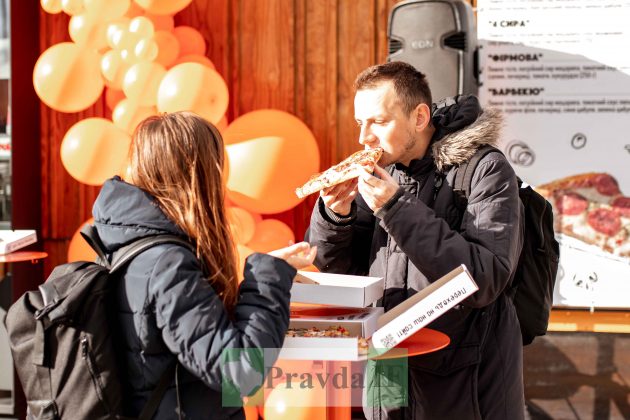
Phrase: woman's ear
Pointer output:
(423, 117)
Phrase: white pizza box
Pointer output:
(12, 240)
(359, 323)
(336, 289)
(424, 307)
(589, 277)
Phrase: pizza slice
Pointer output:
(351, 167)
(590, 207)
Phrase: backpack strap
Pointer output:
(128, 252)
(158, 393)
(463, 178)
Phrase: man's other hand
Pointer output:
(377, 189)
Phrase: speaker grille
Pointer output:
(394, 45)
(456, 41)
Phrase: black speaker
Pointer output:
(439, 38)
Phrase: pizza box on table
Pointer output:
(386, 330)
(336, 289)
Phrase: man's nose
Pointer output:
(366, 137)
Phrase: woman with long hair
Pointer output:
(184, 304)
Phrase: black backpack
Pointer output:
(62, 343)
(535, 277)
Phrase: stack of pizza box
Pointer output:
(344, 303)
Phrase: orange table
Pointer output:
(19, 256)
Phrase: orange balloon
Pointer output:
(193, 87)
(222, 124)
(161, 22)
(134, 10)
(106, 10)
(115, 31)
(271, 234)
(93, 150)
(87, 31)
(146, 50)
(292, 402)
(67, 78)
(127, 115)
(243, 252)
(142, 81)
(190, 40)
(113, 97)
(163, 7)
(72, 7)
(51, 6)
(195, 58)
(168, 48)
(141, 27)
(78, 249)
(271, 154)
(113, 69)
(242, 224)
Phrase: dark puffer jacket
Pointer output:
(416, 241)
(166, 310)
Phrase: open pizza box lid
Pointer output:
(336, 289)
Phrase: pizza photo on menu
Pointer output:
(351, 167)
(591, 208)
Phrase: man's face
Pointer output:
(384, 123)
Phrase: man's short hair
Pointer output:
(410, 85)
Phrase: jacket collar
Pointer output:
(462, 127)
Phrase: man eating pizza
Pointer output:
(401, 223)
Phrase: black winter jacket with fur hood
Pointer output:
(416, 241)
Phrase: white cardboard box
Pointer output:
(589, 277)
(12, 240)
(424, 307)
(336, 289)
(392, 327)
(358, 322)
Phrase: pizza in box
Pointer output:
(591, 208)
(333, 331)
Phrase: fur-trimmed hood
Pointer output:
(462, 127)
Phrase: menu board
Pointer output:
(560, 72)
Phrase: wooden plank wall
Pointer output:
(299, 56)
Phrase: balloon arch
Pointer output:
(132, 53)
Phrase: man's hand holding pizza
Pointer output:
(338, 198)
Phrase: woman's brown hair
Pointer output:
(179, 158)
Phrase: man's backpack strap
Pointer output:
(463, 179)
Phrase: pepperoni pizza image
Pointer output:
(351, 167)
(590, 207)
